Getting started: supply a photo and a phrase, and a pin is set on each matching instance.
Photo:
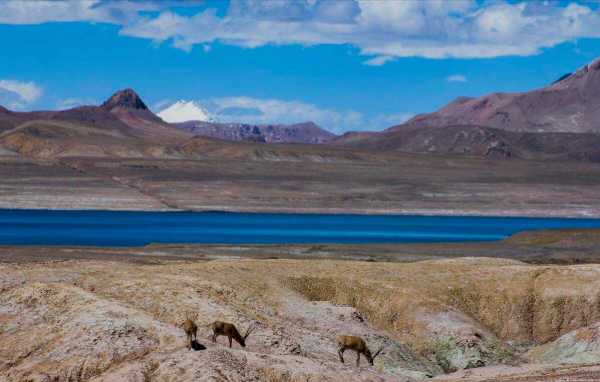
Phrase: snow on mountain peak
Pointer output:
(183, 111)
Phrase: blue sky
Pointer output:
(346, 65)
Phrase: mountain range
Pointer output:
(570, 104)
(560, 121)
(306, 132)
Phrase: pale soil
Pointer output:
(80, 320)
(367, 183)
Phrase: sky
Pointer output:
(346, 65)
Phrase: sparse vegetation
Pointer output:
(432, 316)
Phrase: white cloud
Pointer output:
(456, 78)
(69, 103)
(114, 12)
(270, 111)
(379, 60)
(264, 111)
(17, 94)
(383, 30)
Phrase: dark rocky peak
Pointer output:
(126, 98)
(561, 78)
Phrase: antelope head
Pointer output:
(372, 358)
(245, 336)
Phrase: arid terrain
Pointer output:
(85, 314)
(267, 178)
(121, 156)
(523, 309)
(175, 175)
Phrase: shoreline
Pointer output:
(329, 211)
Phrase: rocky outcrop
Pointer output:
(307, 132)
(126, 98)
(576, 347)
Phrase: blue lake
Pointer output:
(118, 228)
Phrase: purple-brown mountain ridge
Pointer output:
(559, 122)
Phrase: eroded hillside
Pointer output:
(106, 321)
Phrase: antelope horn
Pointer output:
(378, 351)
(250, 329)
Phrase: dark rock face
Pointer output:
(126, 98)
(307, 132)
(563, 77)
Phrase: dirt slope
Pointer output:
(569, 105)
(93, 320)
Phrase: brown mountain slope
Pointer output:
(91, 116)
(11, 119)
(129, 108)
(122, 127)
(306, 132)
(206, 147)
(45, 139)
(571, 104)
(480, 141)
(123, 112)
(558, 122)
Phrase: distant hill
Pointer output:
(121, 127)
(480, 141)
(123, 112)
(129, 108)
(307, 132)
(570, 105)
(560, 121)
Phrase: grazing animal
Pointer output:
(190, 328)
(221, 328)
(358, 345)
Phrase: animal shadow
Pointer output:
(197, 346)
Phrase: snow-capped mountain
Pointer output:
(183, 111)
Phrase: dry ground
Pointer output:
(476, 318)
(290, 178)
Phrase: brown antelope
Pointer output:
(221, 328)
(358, 345)
(190, 328)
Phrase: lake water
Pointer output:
(117, 228)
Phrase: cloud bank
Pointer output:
(19, 95)
(381, 30)
(273, 111)
(456, 78)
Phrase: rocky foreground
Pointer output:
(451, 319)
